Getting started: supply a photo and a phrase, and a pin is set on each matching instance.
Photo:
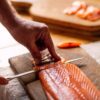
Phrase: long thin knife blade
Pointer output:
(33, 71)
(72, 60)
(21, 74)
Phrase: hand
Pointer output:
(3, 81)
(36, 37)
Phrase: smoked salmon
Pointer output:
(83, 10)
(81, 13)
(67, 82)
(92, 13)
(76, 6)
(68, 45)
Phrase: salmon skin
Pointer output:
(67, 82)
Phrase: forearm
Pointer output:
(7, 15)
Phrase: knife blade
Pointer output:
(33, 71)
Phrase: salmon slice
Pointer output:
(71, 10)
(80, 4)
(81, 13)
(76, 6)
(68, 45)
(83, 10)
(67, 82)
(92, 13)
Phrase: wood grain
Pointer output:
(88, 65)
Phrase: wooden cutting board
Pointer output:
(88, 65)
(51, 11)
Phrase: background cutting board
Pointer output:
(51, 11)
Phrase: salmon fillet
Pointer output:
(81, 13)
(67, 82)
(76, 6)
(84, 11)
(92, 13)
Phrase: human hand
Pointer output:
(36, 37)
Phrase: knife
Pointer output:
(33, 71)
